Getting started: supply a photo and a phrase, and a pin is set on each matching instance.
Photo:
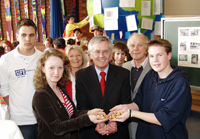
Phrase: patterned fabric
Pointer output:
(67, 104)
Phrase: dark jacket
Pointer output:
(89, 96)
(170, 100)
(53, 119)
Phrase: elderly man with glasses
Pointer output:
(104, 86)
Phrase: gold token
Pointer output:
(101, 115)
(113, 116)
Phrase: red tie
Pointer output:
(103, 82)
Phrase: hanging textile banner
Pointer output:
(35, 19)
(17, 12)
(63, 12)
(9, 30)
(26, 8)
(1, 34)
(74, 11)
(43, 19)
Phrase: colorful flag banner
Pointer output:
(26, 8)
(35, 19)
(17, 12)
(43, 19)
(63, 12)
(74, 11)
(9, 30)
(1, 34)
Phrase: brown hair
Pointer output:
(15, 43)
(119, 46)
(49, 39)
(39, 79)
(68, 17)
(71, 41)
(25, 22)
(54, 41)
(160, 42)
(8, 43)
(2, 51)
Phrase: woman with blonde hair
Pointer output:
(7, 45)
(78, 60)
(56, 114)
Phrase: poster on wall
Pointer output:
(189, 47)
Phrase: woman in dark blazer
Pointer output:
(56, 113)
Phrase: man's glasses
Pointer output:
(98, 52)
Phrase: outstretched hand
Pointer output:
(118, 118)
(124, 113)
(97, 116)
(121, 108)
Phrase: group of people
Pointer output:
(54, 95)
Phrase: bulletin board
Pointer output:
(123, 12)
(169, 31)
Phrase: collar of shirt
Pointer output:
(32, 57)
(99, 71)
(144, 63)
(18, 54)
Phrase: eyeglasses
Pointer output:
(98, 52)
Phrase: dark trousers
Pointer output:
(29, 131)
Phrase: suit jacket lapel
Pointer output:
(57, 101)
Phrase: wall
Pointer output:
(82, 14)
(181, 7)
(185, 8)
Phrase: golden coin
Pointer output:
(113, 116)
(101, 115)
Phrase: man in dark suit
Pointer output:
(90, 92)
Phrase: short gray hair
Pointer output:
(99, 39)
(78, 48)
(137, 34)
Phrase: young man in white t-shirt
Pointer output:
(17, 69)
